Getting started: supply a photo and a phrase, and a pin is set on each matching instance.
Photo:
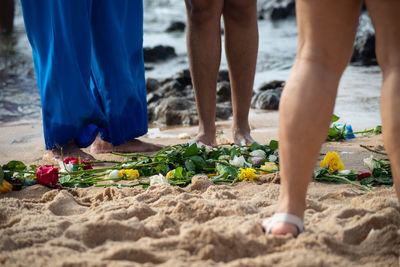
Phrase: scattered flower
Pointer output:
(248, 174)
(363, 175)
(272, 158)
(5, 187)
(158, 179)
(256, 160)
(114, 174)
(258, 154)
(129, 174)
(269, 167)
(170, 174)
(73, 161)
(47, 175)
(332, 160)
(371, 163)
(184, 136)
(238, 161)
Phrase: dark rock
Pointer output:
(279, 9)
(364, 50)
(176, 26)
(223, 76)
(223, 92)
(175, 111)
(7, 12)
(183, 77)
(153, 97)
(271, 85)
(223, 111)
(158, 53)
(152, 85)
(267, 99)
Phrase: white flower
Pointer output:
(238, 161)
(256, 160)
(258, 154)
(114, 174)
(272, 158)
(371, 163)
(158, 179)
(345, 172)
(184, 136)
(65, 167)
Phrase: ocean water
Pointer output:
(357, 102)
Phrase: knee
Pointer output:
(241, 10)
(331, 60)
(200, 11)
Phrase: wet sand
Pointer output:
(200, 225)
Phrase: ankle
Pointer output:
(291, 207)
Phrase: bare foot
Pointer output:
(133, 146)
(204, 139)
(281, 228)
(242, 137)
(70, 150)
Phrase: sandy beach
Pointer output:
(203, 224)
(200, 225)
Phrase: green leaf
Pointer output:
(334, 118)
(256, 146)
(199, 162)
(179, 173)
(226, 171)
(192, 150)
(273, 145)
(64, 179)
(162, 168)
(320, 172)
(190, 166)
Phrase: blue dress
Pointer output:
(88, 59)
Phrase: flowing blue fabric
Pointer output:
(88, 58)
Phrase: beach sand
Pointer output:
(200, 225)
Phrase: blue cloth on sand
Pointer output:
(88, 58)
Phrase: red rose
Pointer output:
(71, 160)
(363, 175)
(47, 175)
(74, 161)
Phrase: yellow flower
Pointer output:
(5, 187)
(247, 174)
(332, 160)
(269, 167)
(170, 174)
(130, 174)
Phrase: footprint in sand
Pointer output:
(64, 204)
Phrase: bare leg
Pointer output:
(241, 43)
(386, 20)
(204, 52)
(326, 36)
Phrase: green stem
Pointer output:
(366, 188)
(373, 150)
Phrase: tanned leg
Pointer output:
(241, 45)
(204, 52)
(326, 35)
(386, 20)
